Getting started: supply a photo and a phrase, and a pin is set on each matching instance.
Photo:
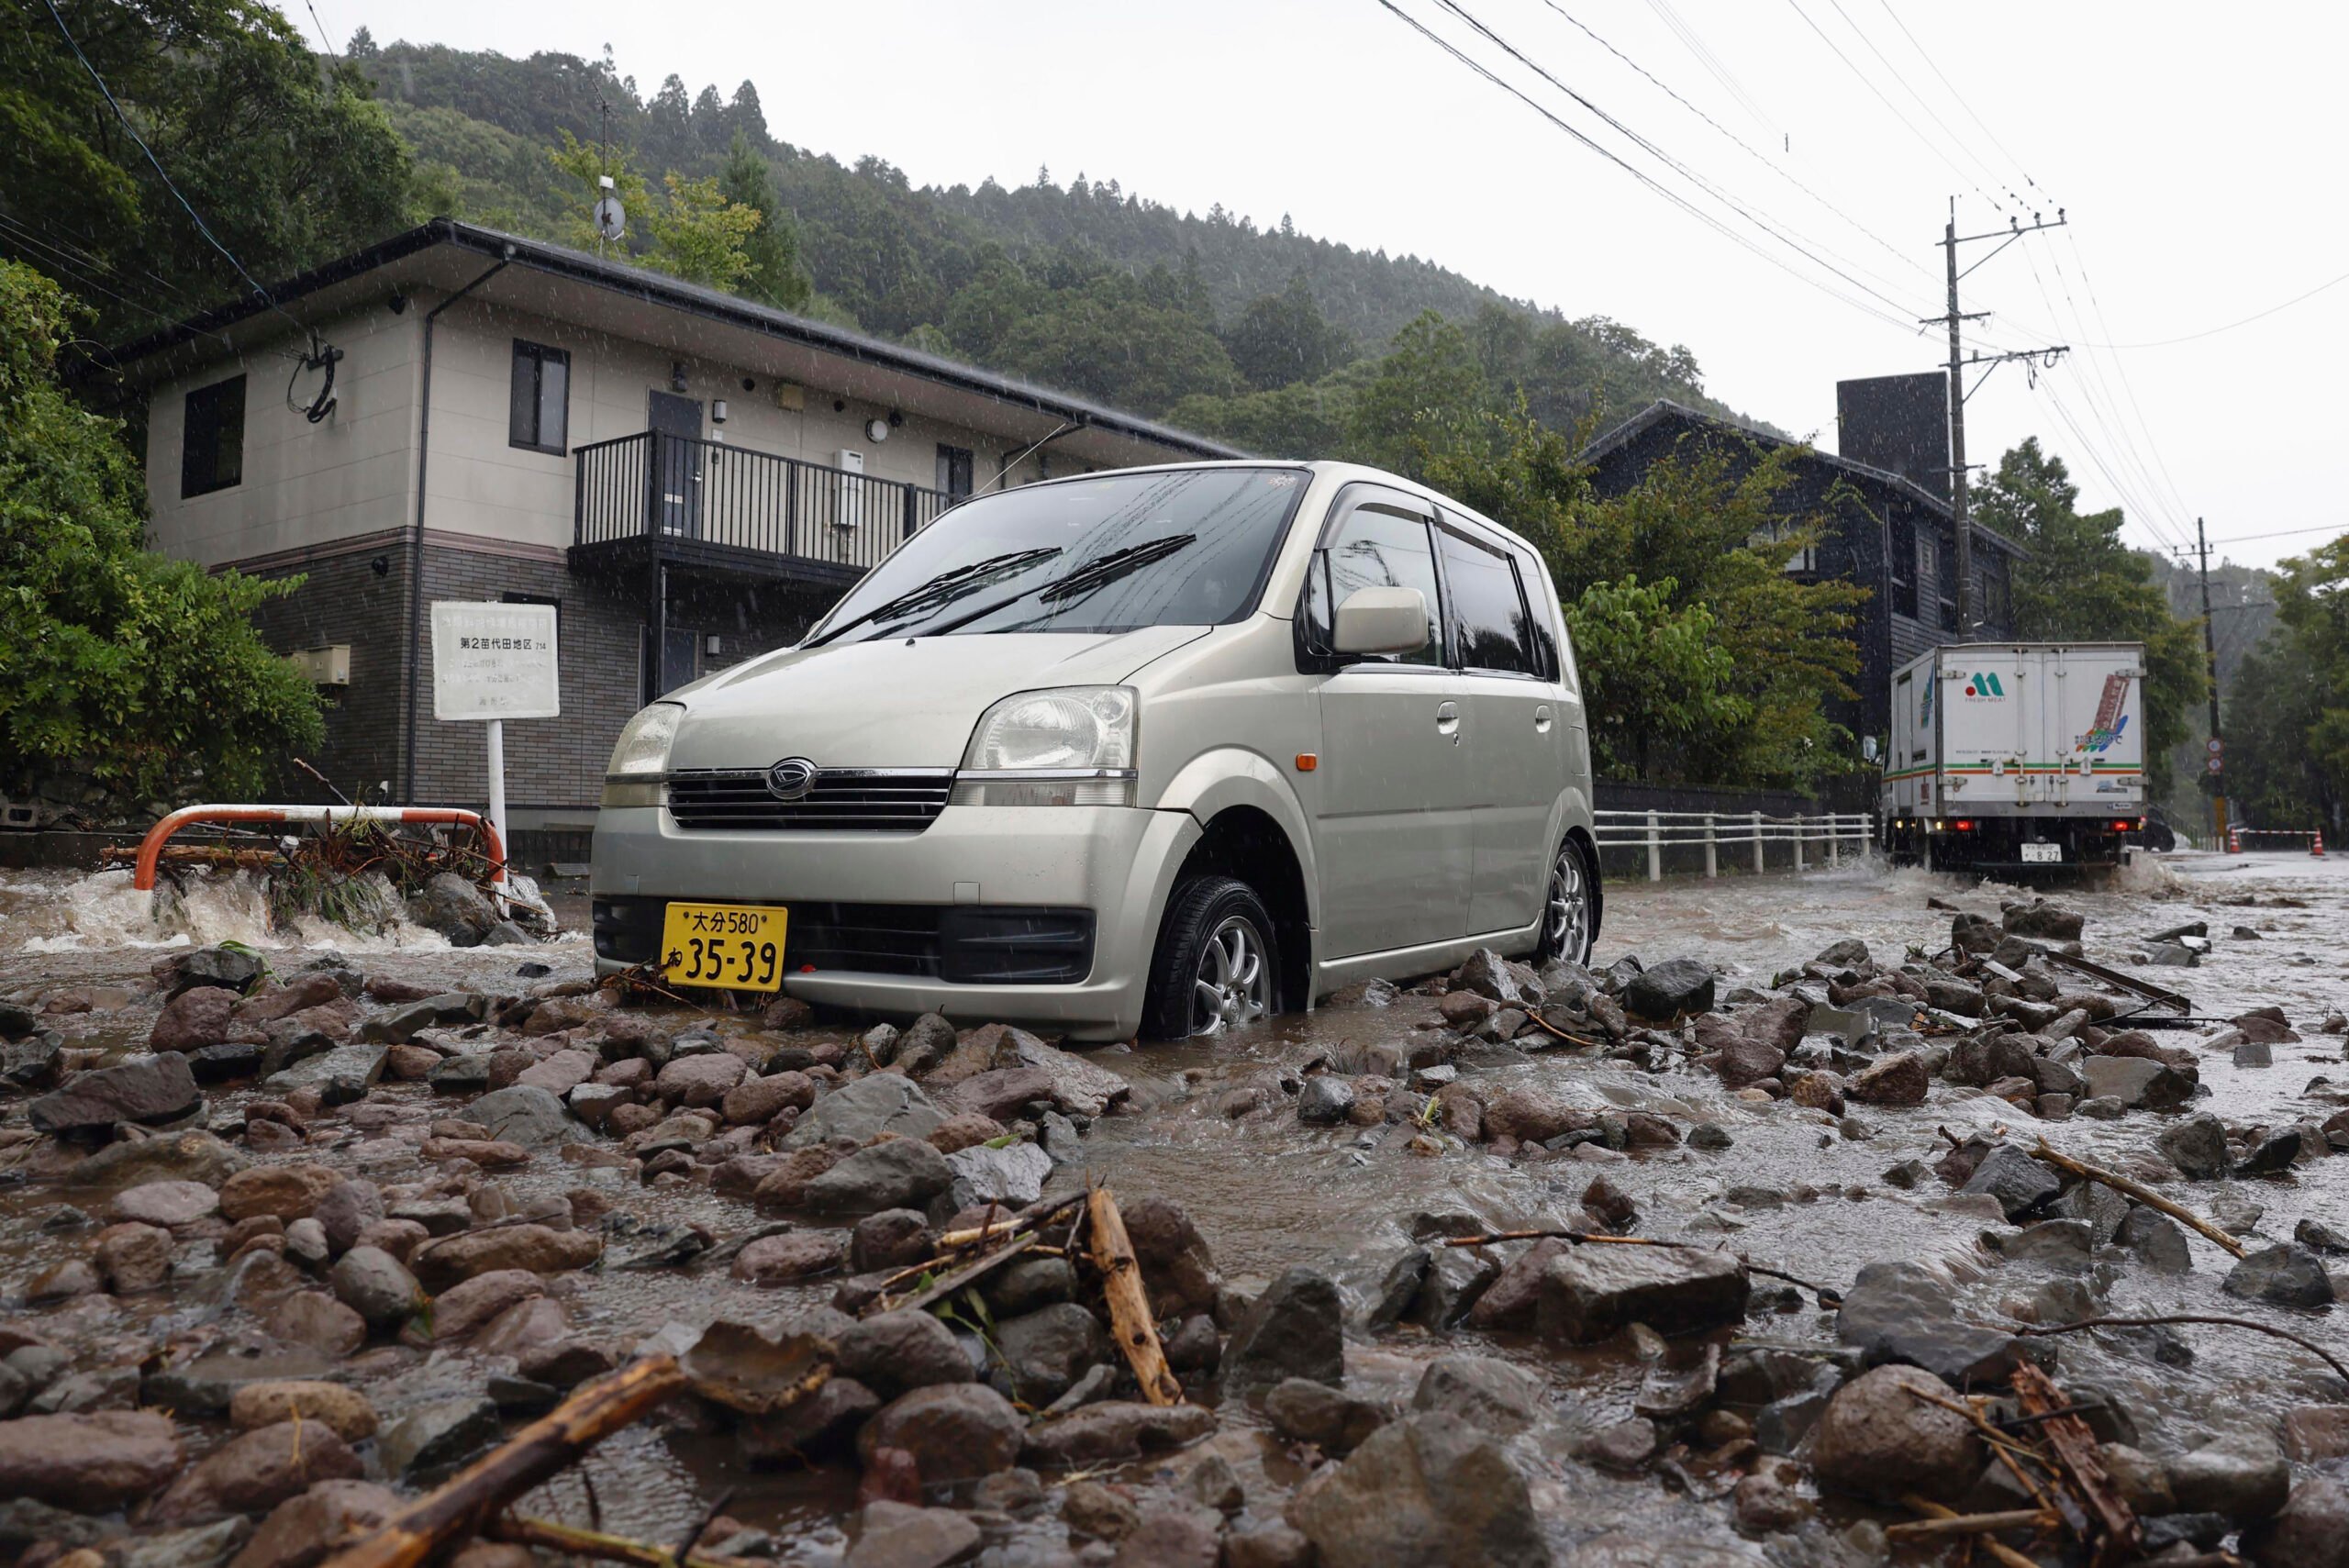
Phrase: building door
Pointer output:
(675, 424)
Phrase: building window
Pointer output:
(1900, 565)
(539, 417)
(954, 471)
(212, 442)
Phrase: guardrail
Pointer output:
(1749, 832)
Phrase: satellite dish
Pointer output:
(611, 218)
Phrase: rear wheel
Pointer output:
(1217, 967)
(1568, 927)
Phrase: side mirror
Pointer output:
(1381, 620)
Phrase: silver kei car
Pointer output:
(1154, 752)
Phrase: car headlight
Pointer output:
(640, 756)
(1068, 746)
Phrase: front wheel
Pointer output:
(1217, 966)
(1568, 929)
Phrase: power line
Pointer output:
(2214, 332)
(2121, 372)
(189, 208)
(1639, 175)
(2285, 533)
(1869, 83)
(1705, 57)
(1927, 57)
(322, 32)
(1956, 140)
(1750, 150)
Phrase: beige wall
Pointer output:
(304, 484)
(307, 485)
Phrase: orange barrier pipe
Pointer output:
(150, 849)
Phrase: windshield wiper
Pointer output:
(1095, 573)
(944, 588)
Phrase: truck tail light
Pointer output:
(1963, 825)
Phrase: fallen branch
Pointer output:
(946, 1285)
(2137, 1190)
(1970, 1524)
(465, 1504)
(2164, 1321)
(1130, 1316)
(557, 1537)
(2082, 1464)
(1997, 1549)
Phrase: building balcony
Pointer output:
(655, 498)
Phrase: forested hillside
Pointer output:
(1265, 335)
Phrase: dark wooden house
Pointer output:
(1888, 532)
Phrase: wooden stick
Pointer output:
(1971, 1524)
(2083, 1463)
(1130, 1318)
(969, 1273)
(2167, 1318)
(2139, 1191)
(557, 1537)
(1997, 1549)
(464, 1503)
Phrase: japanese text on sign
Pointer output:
(494, 660)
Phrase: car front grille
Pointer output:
(855, 800)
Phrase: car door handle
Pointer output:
(1542, 719)
(1447, 721)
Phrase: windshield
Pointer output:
(1105, 553)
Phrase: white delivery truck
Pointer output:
(2012, 757)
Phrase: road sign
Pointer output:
(2214, 765)
(2217, 745)
(494, 660)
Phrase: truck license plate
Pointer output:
(2032, 852)
(732, 947)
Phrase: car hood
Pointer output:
(891, 702)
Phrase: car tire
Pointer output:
(1216, 935)
(1572, 868)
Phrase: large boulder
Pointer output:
(1295, 1330)
(258, 1471)
(1882, 1435)
(93, 1462)
(287, 1192)
(301, 1531)
(145, 1089)
(954, 1431)
(1896, 1080)
(1897, 1311)
(1592, 1292)
(2311, 1531)
(455, 909)
(527, 1115)
(1677, 985)
(1043, 1354)
(901, 1173)
(2242, 1476)
(194, 1020)
(1430, 1489)
(865, 1108)
(2019, 1183)
(1177, 1269)
(2285, 1274)
(1482, 1391)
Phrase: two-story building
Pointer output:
(460, 414)
(1890, 532)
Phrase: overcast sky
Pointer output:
(2197, 160)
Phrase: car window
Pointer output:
(1489, 623)
(1376, 548)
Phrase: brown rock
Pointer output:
(953, 1430)
(1176, 1267)
(1876, 1438)
(1532, 1115)
(1510, 1300)
(257, 1470)
(462, 1308)
(786, 1186)
(314, 1319)
(133, 1257)
(312, 990)
(699, 1080)
(289, 1191)
(490, 1154)
(344, 1411)
(754, 1102)
(192, 1019)
(787, 1259)
(91, 1462)
(966, 1130)
(541, 1248)
(1890, 1080)
(301, 1531)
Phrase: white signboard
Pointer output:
(492, 661)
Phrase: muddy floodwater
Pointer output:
(1213, 1127)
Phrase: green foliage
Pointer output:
(1282, 338)
(2081, 583)
(776, 276)
(143, 674)
(1718, 664)
(699, 236)
(584, 166)
(2288, 724)
(289, 159)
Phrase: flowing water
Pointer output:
(1268, 1192)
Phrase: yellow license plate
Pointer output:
(732, 947)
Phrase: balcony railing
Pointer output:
(681, 490)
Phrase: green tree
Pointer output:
(701, 236)
(584, 166)
(2288, 722)
(1427, 393)
(2081, 583)
(287, 159)
(1283, 338)
(1708, 528)
(139, 676)
(776, 276)
(1652, 676)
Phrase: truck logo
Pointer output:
(1980, 685)
(2109, 720)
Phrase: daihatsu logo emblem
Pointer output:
(791, 779)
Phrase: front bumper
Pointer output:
(974, 874)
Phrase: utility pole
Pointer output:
(2218, 778)
(1958, 362)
